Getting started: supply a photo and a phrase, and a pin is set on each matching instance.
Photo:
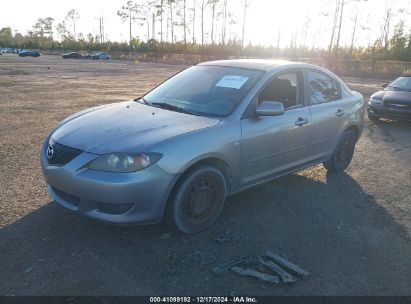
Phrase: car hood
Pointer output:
(126, 127)
(400, 96)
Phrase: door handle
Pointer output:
(340, 113)
(301, 122)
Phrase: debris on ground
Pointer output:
(287, 264)
(369, 196)
(201, 257)
(224, 237)
(220, 269)
(173, 271)
(256, 274)
(270, 268)
(172, 257)
(172, 267)
(285, 276)
(165, 236)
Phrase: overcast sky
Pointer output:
(265, 18)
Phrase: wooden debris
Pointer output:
(287, 264)
(285, 276)
(270, 268)
(256, 274)
(220, 269)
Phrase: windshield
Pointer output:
(401, 83)
(205, 90)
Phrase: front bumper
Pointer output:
(120, 198)
(383, 111)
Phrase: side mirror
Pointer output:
(384, 85)
(270, 108)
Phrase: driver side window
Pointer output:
(283, 88)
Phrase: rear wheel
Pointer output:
(343, 154)
(197, 200)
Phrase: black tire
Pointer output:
(343, 153)
(197, 200)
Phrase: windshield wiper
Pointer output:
(167, 106)
(139, 99)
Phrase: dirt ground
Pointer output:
(351, 231)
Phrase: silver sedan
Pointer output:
(207, 133)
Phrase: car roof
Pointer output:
(257, 64)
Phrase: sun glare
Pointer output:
(268, 22)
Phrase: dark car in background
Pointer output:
(72, 55)
(26, 53)
(394, 102)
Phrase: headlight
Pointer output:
(374, 101)
(121, 162)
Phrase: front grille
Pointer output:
(61, 154)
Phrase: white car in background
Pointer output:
(98, 56)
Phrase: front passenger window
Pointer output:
(283, 88)
(323, 88)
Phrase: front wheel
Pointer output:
(197, 200)
(343, 154)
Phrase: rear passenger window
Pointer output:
(323, 88)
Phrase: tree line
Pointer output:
(178, 26)
(167, 15)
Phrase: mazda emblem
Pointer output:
(50, 151)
